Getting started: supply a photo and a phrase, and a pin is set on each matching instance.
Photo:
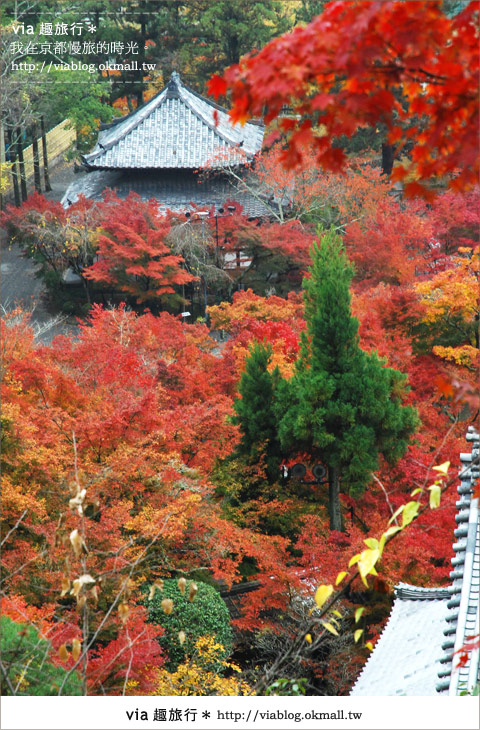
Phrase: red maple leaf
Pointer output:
(217, 86)
(444, 386)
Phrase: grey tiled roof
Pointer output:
(426, 621)
(462, 620)
(405, 660)
(175, 129)
(176, 190)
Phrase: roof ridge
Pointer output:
(201, 110)
(128, 129)
(198, 113)
(407, 592)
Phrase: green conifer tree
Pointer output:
(255, 411)
(342, 405)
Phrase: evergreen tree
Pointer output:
(342, 405)
(27, 668)
(256, 411)
(226, 30)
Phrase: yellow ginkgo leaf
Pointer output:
(123, 612)
(358, 614)
(396, 513)
(182, 584)
(391, 531)
(167, 605)
(65, 587)
(340, 577)
(77, 542)
(357, 634)
(76, 649)
(435, 496)
(63, 653)
(308, 638)
(369, 645)
(367, 562)
(354, 560)
(371, 542)
(322, 594)
(410, 512)
(330, 628)
(192, 591)
(442, 468)
(77, 586)
(94, 594)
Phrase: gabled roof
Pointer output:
(405, 660)
(175, 129)
(423, 622)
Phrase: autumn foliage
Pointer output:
(136, 414)
(361, 63)
(133, 254)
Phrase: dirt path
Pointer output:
(20, 287)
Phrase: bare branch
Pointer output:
(20, 519)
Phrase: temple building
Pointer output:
(419, 650)
(158, 150)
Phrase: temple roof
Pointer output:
(463, 617)
(175, 190)
(406, 658)
(175, 129)
(417, 650)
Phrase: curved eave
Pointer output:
(175, 129)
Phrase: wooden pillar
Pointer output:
(334, 507)
(46, 176)
(36, 159)
(2, 157)
(21, 164)
(14, 170)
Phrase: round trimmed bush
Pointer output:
(206, 615)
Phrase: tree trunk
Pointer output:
(334, 510)
(141, 59)
(46, 176)
(36, 160)
(388, 156)
(14, 171)
(21, 164)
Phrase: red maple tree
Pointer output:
(357, 64)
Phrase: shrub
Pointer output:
(205, 615)
(25, 656)
(195, 677)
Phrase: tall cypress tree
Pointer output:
(255, 411)
(342, 405)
